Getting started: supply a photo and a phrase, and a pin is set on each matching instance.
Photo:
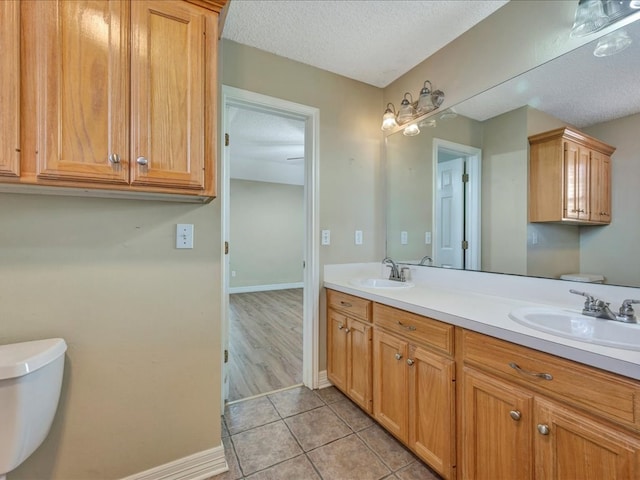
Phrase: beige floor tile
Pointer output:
(234, 472)
(249, 414)
(298, 468)
(317, 427)
(392, 453)
(331, 395)
(417, 471)
(296, 400)
(351, 414)
(264, 447)
(348, 459)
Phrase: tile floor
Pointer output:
(300, 434)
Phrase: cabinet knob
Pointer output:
(410, 362)
(515, 414)
(398, 356)
(340, 327)
(543, 429)
(347, 330)
(142, 161)
(114, 158)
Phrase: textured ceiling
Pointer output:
(373, 41)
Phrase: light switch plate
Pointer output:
(358, 237)
(326, 237)
(427, 238)
(184, 235)
(404, 238)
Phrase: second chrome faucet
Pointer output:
(594, 307)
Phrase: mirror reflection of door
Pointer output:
(456, 205)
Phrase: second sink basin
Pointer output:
(380, 283)
(582, 328)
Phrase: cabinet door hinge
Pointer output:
(465, 178)
(226, 248)
(226, 139)
(465, 245)
(226, 356)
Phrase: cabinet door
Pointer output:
(600, 188)
(337, 349)
(168, 100)
(390, 387)
(10, 89)
(497, 425)
(432, 409)
(576, 182)
(569, 445)
(359, 351)
(83, 88)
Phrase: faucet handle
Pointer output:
(590, 298)
(626, 310)
(591, 303)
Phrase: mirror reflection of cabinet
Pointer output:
(569, 178)
(10, 89)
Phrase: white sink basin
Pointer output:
(575, 326)
(380, 283)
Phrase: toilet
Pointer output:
(583, 277)
(30, 382)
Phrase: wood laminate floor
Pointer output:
(265, 342)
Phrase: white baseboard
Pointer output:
(323, 381)
(265, 288)
(199, 466)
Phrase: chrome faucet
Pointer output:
(425, 259)
(395, 273)
(594, 307)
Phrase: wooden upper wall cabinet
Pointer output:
(123, 93)
(10, 89)
(569, 178)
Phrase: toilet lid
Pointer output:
(18, 359)
(583, 277)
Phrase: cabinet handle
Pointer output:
(411, 328)
(346, 304)
(347, 330)
(398, 356)
(114, 158)
(544, 376)
(543, 429)
(340, 327)
(515, 414)
(142, 161)
(410, 362)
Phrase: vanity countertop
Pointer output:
(482, 301)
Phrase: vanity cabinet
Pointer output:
(569, 178)
(10, 89)
(413, 384)
(349, 347)
(123, 95)
(526, 414)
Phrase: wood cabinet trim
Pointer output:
(10, 90)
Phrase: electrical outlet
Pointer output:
(358, 237)
(427, 238)
(404, 238)
(326, 237)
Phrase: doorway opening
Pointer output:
(270, 273)
(456, 206)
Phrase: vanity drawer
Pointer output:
(422, 330)
(351, 306)
(602, 393)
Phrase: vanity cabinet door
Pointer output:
(432, 409)
(337, 349)
(359, 351)
(10, 89)
(497, 429)
(82, 80)
(390, 387)
(570, 445)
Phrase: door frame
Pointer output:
(232, 96)
(472, 201)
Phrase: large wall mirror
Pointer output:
(429, 215)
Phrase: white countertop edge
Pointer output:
(555, 345)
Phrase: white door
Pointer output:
(450, 214)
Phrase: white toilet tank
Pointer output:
(30, 382)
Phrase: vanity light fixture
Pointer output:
(411, 130)
(612, 43)
(389, 118)
(594, 15)
(428, 101)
